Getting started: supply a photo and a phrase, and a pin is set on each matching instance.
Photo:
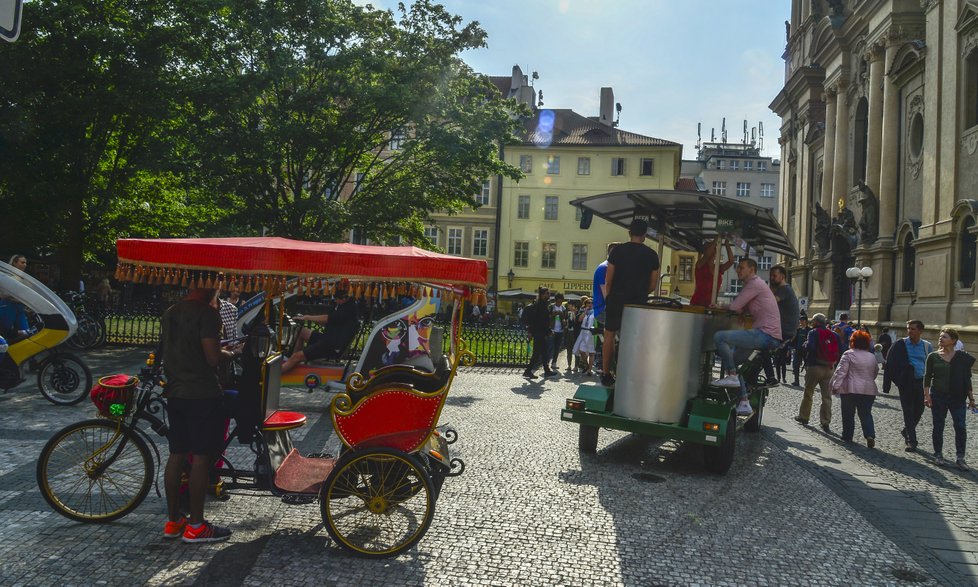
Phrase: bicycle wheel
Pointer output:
(76, 480)
(64, 379)
(86, 335)
(377, 503)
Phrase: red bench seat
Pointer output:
(282, 420)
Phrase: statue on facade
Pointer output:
(845, 227)
(837, 6)
(869, 222)
(821, 232)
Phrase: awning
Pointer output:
(275, 256)
(512, 295)
(683, 219)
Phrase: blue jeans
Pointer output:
(940, 405)
(853, 403)
(746, 340)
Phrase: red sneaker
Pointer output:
(206, 532)
(174, 529)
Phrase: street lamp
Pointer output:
(509, 279)
(860, 274)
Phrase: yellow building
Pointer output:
(566, 156)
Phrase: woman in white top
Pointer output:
(585, 340)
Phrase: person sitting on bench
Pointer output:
(341, 326)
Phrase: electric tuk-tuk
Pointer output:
(666, 351)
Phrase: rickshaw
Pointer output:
(377, 496)
(62, 377)
(666, 351)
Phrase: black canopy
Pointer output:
(683, 220)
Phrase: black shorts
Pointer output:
(321, 346)
(613, 311)
(196, 425)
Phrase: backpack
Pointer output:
(827, 346)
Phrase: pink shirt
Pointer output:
(758, 299)
(856, 373)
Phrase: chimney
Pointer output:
(607, 113)
(517, 81)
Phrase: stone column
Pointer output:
(840, 183)
(890, 153)
(875, 130)
(828, 151)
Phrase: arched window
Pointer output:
(967, 245)
(793, 195)
(861, 141)
(909, 264)
(971, 90)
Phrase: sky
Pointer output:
(671, 63)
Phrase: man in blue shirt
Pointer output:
(598, 301)
(905, 368)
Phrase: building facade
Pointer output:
(879, 142)
(734, 170)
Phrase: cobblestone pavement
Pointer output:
(796, 508)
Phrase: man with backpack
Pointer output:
(905, 368)
(822, 352)
(536, 318)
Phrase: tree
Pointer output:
(318, 88)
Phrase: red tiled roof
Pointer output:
(570, 128)
(687, 184)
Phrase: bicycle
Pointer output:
(91, 331)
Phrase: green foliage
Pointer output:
(208, 117)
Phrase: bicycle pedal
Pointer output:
(293, 499)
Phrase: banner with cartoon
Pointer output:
(402, 338)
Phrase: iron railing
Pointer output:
(492, 344)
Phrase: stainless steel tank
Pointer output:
(660, 359)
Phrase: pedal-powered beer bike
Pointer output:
(377, 497)
(62, 377)
(666, 350)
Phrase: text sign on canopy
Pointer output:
(10, 12)
(726, 225)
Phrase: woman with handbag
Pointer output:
(947, 383)
(854, 381)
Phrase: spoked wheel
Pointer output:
(88, 334)
(377, 502)
(81, 476)
(64, 379)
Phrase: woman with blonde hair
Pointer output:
(947, 383)
(855, 382)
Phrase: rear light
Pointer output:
(436, 454)
(575, 404)
(711, 427)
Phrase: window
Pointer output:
(648, 167)
(719, 188)
(685, 269)
(397, 140)
(971, 90)
(734, 165)
(550, 208)
(743, 189)
(584, 166)
(735, 286)
(548, 258)
(617, 166)
(764, 263)
(454, 246)
(748, 166)
(968, 248)
(358, 236)
(523, 207)
(521, 254)
(480, 242)
(577, 214)
(431, 233)
(553, 165)
(762, 165)
(356, 185)
(526, 163)
(909, 264)
(579, 257)
(721, 163)
(483, 196)
(767, 190)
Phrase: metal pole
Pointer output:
(859, 305)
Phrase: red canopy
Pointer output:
(282, 256)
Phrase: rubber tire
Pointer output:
(108, 428)
(72, 396)
(363, 464)
(753, 424)
(719, 458)
(587, 439)
(86, 334)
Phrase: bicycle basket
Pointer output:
(113, 394)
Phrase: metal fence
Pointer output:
(492, 344)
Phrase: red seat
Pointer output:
(282, 420)
(398, 417)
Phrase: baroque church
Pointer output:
(879, 143)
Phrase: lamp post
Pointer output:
(509, 279)
(860, 274)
